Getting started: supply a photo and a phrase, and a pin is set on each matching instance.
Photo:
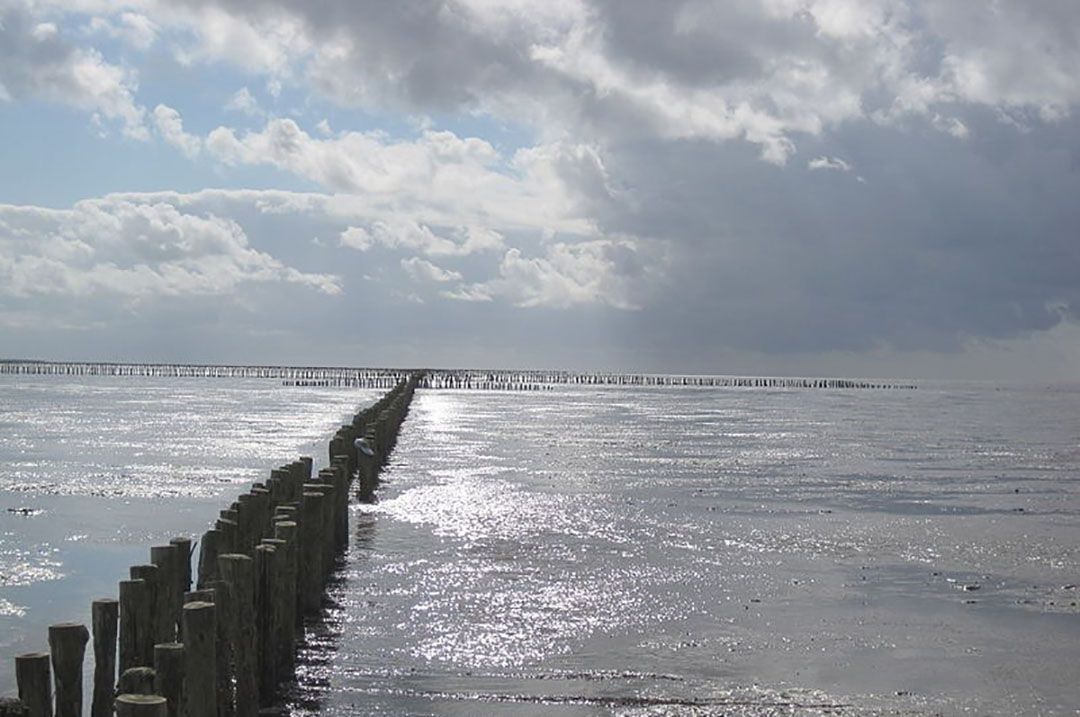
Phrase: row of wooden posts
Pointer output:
(226, 648)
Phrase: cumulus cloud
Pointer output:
(36, 61)
(622, 143)
(244, 102)
(134, 28)
(603, 272)
(423, 270)
(111, 247)
(402, 233)
(438, 177)
(170, 126)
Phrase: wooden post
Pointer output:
(34, 678)
(141, 706)
(169, 669)
(200, 659)
(341, 496)
(13, 707)
(262, 509)
(246, 518)
(266, 594)
(289, 531)
(225, 692)
(206, 595)
(156, 598)
(208, 552)
(136, 604)
(311, 545)
(230, 531)
(170, 574)
(238, 571)
(103, 616)
(136, 681)
(183, 546)
(67, 643)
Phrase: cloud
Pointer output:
(244, 102)
(603, 272)
(134, 28)
(114, 248)
(423, 270)
(663, 164)
(770, 73)
(828, 163)
(36, 61)
(437, 177)
(170, 126)
(402, 233)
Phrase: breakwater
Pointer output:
(541, 380)
(217, 635)
(474, 379)
(293, 375)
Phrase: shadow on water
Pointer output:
(306, 695)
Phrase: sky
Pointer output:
(797, 187)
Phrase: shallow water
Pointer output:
(95, 470)
(708, 552)
(603, 551)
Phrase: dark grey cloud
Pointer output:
(782, 176)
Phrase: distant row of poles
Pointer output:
(475, 379)
(225, 648)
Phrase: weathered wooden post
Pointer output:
(104, 614)
(281, 619)
(262, 508)
(208, 553)
(311, 545)
(67, 643)
(341, 490)
(229, 531)
(13, 707)
(205, 595)
(289, 531)
(246, 518)
(238, 571)
(157, 599)
(267, 592)
(200, 660)
(141, 706)
(167, 560)
(225, 693)
(136, 681)
(34, 678)
(328, 522)
(169, 671)
(183, 546)
(136, 606)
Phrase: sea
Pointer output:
(596, 549)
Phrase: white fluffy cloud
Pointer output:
(170, 126)
(423, 270)
(112, 247)
(134, 28)
(604, 272)
(37, 61)
(400, 233)
(244, 102)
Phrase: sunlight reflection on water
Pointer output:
(643, 552)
